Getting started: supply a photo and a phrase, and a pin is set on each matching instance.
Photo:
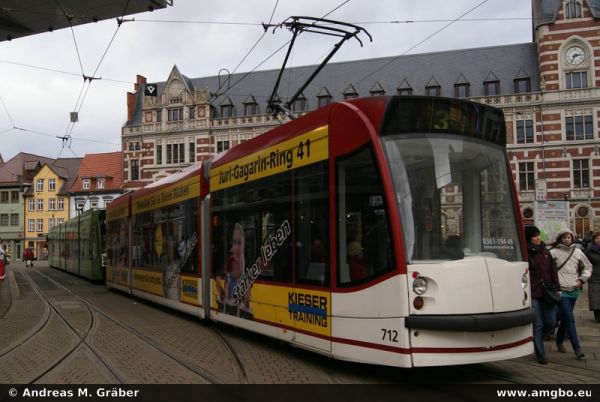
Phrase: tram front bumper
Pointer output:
(471, 322)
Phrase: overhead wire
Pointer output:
(277, 51)
(67, 138)
(89, 79)
(178, 126)
(254, 45)
(60, 71)
(7, 112)
(420, 42)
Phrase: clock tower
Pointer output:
(564, 156)
(566, 34)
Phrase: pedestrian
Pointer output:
(542, 270)
(28, 257)
(2, 266)
(574, 269)
(593, 254)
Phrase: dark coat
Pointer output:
(593, 254)
(541, 268)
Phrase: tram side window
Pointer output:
(116, 242)
(312, 224)
(143, 243)
(252, 225)
(364, 241)
(84, 239)
(187, 236)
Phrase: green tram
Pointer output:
(77, 245)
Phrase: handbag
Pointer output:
(551, 296)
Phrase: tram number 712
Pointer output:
(390, 335)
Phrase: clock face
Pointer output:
(575, 55)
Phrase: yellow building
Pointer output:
(46, 202)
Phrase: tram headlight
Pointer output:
(420, 285)
(524, 281)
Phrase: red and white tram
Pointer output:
(382, 230)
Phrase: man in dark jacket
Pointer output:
(542, 270)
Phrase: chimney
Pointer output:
(139, 80)
(130, 106)
(131, 96)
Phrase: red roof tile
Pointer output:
(106, 165)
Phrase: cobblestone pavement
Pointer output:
(229, 355)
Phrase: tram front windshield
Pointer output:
(454, 197)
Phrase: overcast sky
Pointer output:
(41, 76)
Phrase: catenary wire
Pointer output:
(420, 42)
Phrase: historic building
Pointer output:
(16, 177)
(98, 182)
(549, 90)
(46, 202)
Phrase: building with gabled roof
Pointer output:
(46, 202)
(16, 175)
(98, 182)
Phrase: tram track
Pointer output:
(199, 352)
(117, 325)
(9, 347)
(81, 333)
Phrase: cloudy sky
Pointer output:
(41, 76)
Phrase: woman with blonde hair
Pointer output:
(574, 269)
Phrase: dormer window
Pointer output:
(461, 90)
(299, 104)
(491, 88)
(324, 97)
(86, 184)
(377, 90)
(433, 90)
(350, 92)
(227, 111)
(462, 87)
(100, 183)
(250, 106)
(572, 9)
(404, 88)
(227, 108)
(522, 85)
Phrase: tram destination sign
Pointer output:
(305, 149)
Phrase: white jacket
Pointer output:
(569, 273)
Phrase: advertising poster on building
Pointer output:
(550, 217)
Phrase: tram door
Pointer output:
(309, 303)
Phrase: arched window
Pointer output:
(582, 220)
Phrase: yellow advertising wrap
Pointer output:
(119, 212)
(303, 150)
(148, 281)
(158, 240)
(304, 309)
(117, 275)
(189, 290)
(173, 194)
